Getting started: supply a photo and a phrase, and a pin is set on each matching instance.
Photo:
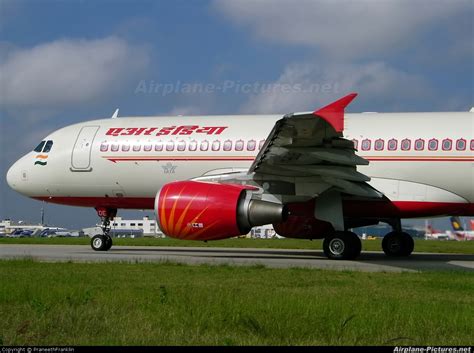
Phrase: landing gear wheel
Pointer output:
(342, 246)
(398, 244)
(108, 242)
(99, 242)
(103, 242)
(356, 244)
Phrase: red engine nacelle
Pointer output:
(195, 210)
(301, 223)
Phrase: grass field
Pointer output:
(460, 247)
(170, 304)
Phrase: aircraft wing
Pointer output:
(310, 145)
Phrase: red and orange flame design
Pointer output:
(182, 228)
(198, 210)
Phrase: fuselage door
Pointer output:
(81, 153)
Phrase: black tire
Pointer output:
(357, 245)
(398, 244)
(99, 242)
(108, 242)
(342, 246)
(409, 244)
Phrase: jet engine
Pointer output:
(196, 210)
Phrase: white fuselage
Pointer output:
(414, 157)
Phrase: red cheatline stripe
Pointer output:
(420, 159)
(135, 159)
(251, 158)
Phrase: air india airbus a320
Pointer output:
(313, 175)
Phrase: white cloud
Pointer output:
(311, 85)
(68, 72)
(185, 110)
(363, 28)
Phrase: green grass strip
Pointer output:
(171, 304)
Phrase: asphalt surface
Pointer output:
(371, 261)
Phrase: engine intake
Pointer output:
(207, 211)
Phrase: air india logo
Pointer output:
(169, 168)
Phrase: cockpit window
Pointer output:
(48, 146)
(39, 148)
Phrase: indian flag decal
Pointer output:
(41, 159)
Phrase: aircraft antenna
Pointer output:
(115, 115)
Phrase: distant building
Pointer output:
(263, 232)
(11, 228)
(129, 228)
(380, 231)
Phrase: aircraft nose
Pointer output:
(13, 176)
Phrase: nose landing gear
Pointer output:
(103, 242)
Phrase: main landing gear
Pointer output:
(345, 245)
(103, 242)
(342, 245)
(397, 243)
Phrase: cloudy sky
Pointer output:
(62, 62)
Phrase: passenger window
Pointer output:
(125, 147)
(159, 146)
(147, 148)
(48, 146)
(227, 145)
(392, 145)
(366, 145)
(356, 143)
(461, 145)
(447, 145)
(181, 145)
(216, 145)
(251, 145)
(472, 145)
(39, 148)
(104, 147)
(433, 145)
(378, 145)
(137, 148)
(115, 147)
(406, 145)
(204, 145)
(239, 145)
(192, 145)
(419, 145)
(170, 146)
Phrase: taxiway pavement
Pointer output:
(370, 261)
